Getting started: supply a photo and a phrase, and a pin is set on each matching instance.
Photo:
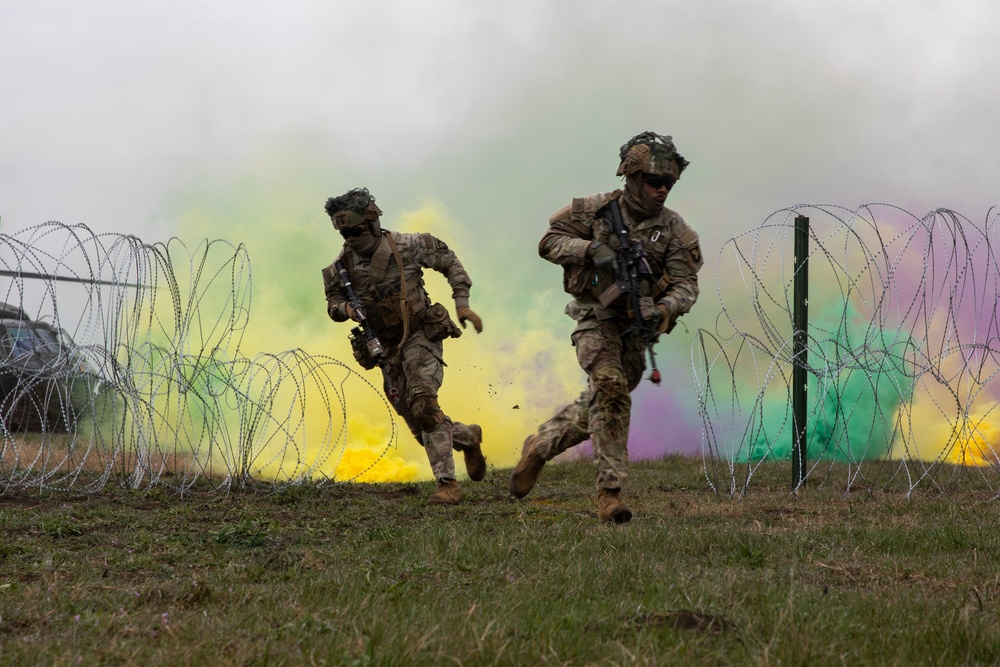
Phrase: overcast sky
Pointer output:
(130, 115)
(112, 108)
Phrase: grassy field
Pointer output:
(370, 575)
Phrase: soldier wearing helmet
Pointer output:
(384, 269)
(581, 239)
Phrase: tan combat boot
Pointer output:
(526, 473)
(475, 462)
(610, 508)
(448, 493)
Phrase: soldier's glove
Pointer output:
(649, 311)
(351, 313)
(668, 321)
(467, 315)
(601, 255)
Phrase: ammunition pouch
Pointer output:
(438, 325)
(359, 346)
(575, 278)
(611, 295)
(585, 279)
(388, 310)
(601, 284)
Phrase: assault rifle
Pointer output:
(364, 329)
(630, 266)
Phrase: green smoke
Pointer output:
(859, 376)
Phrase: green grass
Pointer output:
(370, 575)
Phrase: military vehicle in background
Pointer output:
(47, 384)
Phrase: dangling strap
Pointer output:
(402, 290)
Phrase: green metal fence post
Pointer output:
(800, 324)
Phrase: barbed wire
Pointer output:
(121, 363)
(903, 347)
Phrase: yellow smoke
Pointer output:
(939, 431)
(951, 417)
(979, 443)
(367, 458)
(973, 440)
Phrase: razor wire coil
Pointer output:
(903, 347)
(130, 371)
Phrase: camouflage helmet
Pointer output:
(651, 153)
(353, 208)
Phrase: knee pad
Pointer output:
(427, 413)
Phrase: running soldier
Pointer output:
(611, 337)
(383, 271)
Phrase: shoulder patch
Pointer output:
(688, 236)
(695, 253)
(579, 205)
(561, 214)
(431, 242)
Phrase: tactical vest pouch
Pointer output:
(388, 312)
(583, 280)
(360, 349)
(576, 277)
(611, 295)
(438, 325)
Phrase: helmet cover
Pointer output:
(353, 208)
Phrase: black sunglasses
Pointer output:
(657, 182)
(350, 232)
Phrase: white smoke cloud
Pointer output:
(111, 106)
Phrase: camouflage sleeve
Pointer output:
(336, 295)
(682, 262)
(568, 237)
(433, 253)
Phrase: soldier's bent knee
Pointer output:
(610, 380)
(427, 413)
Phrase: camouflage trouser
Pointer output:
(416, 373)
(614, 367)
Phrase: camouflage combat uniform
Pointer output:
(611, 355)
(415, 367)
